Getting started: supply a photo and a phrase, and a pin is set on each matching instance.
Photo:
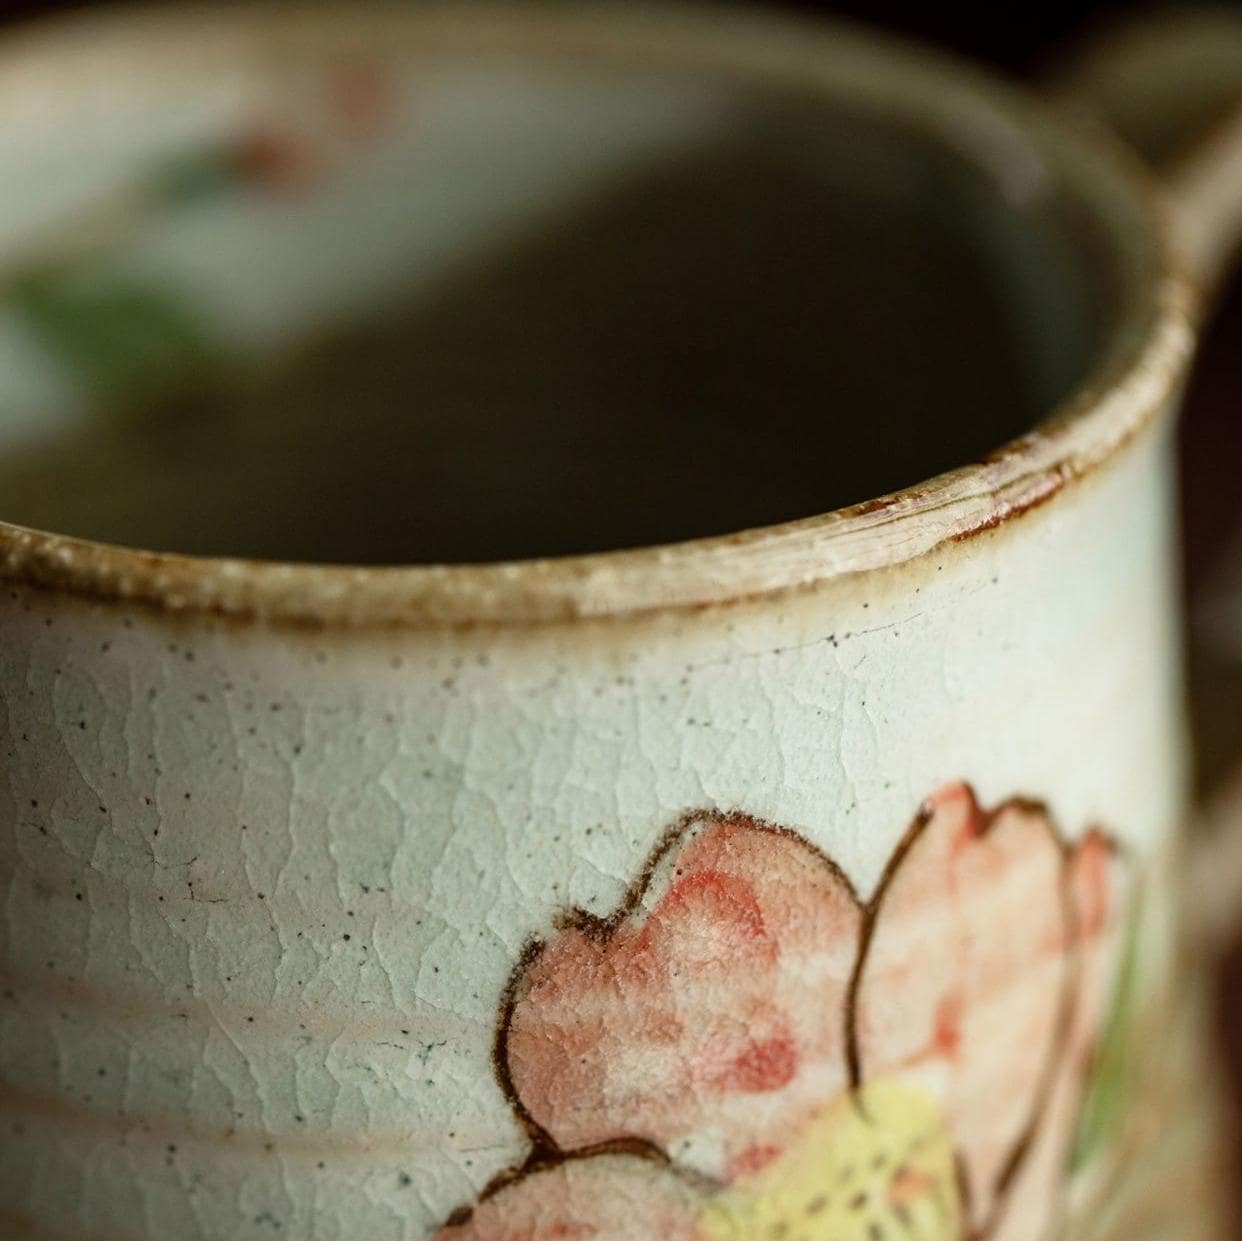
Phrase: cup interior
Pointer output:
(454, 300)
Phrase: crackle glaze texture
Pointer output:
(265, 889)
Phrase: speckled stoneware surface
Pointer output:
(798, 884)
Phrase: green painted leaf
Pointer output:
(1109, 1087)
(128, 342)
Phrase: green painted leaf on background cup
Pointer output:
(128, 342)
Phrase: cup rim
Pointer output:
(1129, 385)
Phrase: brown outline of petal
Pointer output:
(537, 1162)
(546, 1153)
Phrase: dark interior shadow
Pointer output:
(785, 323)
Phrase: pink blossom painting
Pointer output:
(746, 1051)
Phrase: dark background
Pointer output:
(1020, 38)
(1013, 36)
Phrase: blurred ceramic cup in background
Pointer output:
(610, 873)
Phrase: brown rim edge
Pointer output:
(1128, 390)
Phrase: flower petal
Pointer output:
(1097, 881)
(601, 1197)
(706, 1015)
(965, 982)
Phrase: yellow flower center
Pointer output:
(873, 1166)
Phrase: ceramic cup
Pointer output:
(805, 882)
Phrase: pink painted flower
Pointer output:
(313, 127)
(745, 1050)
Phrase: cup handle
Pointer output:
(1170, 85)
